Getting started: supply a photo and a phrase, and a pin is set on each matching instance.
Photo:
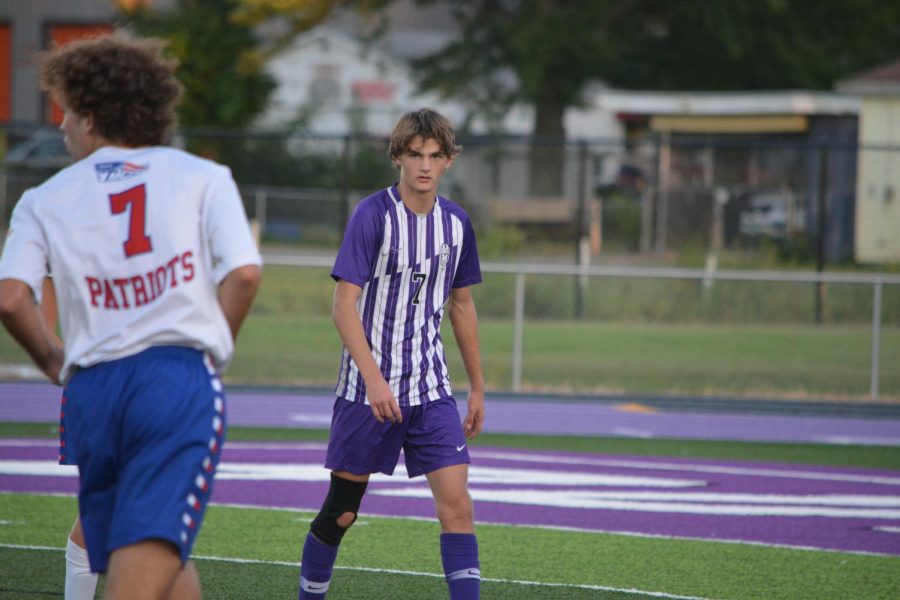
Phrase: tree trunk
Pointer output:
(547, 155)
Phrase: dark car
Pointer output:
(42, 153)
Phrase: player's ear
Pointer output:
(89, 122)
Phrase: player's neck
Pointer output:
(418, 202)
(96, 143)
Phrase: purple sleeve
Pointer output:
(360, 246)
(468, 271)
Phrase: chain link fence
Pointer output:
(789, 196)
(706, 203)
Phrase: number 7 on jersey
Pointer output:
(135, 198)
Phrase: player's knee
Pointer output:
(455, 512)
(339, 510)
(346, 520)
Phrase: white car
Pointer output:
(771, 213)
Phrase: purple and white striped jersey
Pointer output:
(406, 265)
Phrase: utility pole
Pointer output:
(821, 229)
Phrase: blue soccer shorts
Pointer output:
(67, 452)
(148, 430)
(430, 435)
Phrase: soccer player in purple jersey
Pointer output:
(154, 269)
(406, 254)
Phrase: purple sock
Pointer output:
(315, 568)
(459, 553)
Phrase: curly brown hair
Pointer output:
(125, 84)
(427, 123)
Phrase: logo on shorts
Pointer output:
(460, 448)
(110, 172)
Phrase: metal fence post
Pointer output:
(346, 185)
(821, 232)
(518, 324)
(259, 209)
(876, 337)
(662, 191)
(580, 230)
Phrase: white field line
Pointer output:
(570, 460)
(282, 563)
(636, 534)
(702, 468)
(237, 445)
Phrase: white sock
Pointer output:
(80, 582)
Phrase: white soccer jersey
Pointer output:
(137, 241)
(406, 265)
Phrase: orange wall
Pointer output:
(5, 72)
(63, 34)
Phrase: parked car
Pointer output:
(44, 152)
(771, 213)
(630, 181)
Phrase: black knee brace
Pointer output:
(343, 496)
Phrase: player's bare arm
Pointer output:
(346, 319)
(49, 309)
(236, 294)
(48, 305)
(464, 319)
(22, 317)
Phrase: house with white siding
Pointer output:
(878, 180)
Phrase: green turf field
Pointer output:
(250, 553)
(253, 553)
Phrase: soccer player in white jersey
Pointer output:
(406, 253)
(154, 270)
(81, 583)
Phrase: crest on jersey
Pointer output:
(445, 254)
(110, 172)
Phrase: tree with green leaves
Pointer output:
(222, 55)
(221, 70)
(544, 53)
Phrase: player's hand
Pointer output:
(475, 416)
(384, 405)
(53, 362)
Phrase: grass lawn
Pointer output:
(648, 338)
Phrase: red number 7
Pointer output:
(138, 241)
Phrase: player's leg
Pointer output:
(142, 509)
(357, 446)
(452, 501)
(187, 584)
(338, 513)
(145, 570)
(459, 546)
(80, 582)
(437, 447)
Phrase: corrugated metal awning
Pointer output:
(730, 123)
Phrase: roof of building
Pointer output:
(880, 79)
(788, 102)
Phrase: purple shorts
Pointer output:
(430, 435)
(148, 430)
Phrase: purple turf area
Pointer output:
(807, 506)
(38, 402)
